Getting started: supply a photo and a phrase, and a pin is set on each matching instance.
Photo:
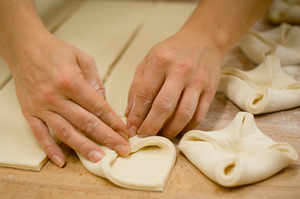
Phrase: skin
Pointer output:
(58, 85)
(175, 83)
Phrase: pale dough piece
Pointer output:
(4, 73)
(147, 167)
(282, 42)
(165, 20)
(238, 154)
(285, 11)
(18, 146)
(102, 29)
(264, 89)
(53, 12)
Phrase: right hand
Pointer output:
(58, 85)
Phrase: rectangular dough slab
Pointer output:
(18, 146)
(164, 21)
(53, 12)
(4, 73)
(103, 29)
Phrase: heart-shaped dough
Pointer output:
(285, 11)
(283, 42)
(238, 154)
(147, 167)
(264, 89)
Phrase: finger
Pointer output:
(69, 135)
(201, 111)
(137, 79)
(41, 133)
(90, 72)
(183, 113)
(82, 94)
(162, 108)
(143, 98)
(93, 127)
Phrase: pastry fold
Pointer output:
(264, 89)
(238, 154)
(147, 167)
(283, 42)
(285, 11)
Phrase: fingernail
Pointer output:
(124, 135)
(95, 156)
(122, 150)
(132, 131)
(58, 161)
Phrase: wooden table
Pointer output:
(74, 181)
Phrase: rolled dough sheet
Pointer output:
(102, 29)
(164, 21)
(285, 11)
(18, 146)
(264, 89)
(4, 72)
(147, 167)
(282, 42)
(53, 12)
(238, 154)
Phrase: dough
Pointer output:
(147, 167)
(155, 30)
(285, 11)
(283, 42)
(18, 146)
(238, 154)
(102, 29)
(264, 89)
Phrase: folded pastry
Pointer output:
(147, 167)
(285, 11)
(282, 42)
(264, 89)
(238, 154)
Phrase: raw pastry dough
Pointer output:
(147, 167)
(282, 42)
(285, 11)
(18, 146)
(264, 89)
(238, 154)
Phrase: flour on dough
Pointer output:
(264, 89)
(147, 167)
(285, 11)
(282, 42)
(238, 154)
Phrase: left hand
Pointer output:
(174, 85)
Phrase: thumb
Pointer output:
(90, 72)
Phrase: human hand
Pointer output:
(58, 85)
(174, 85)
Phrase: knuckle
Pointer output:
(144, 97)
(64, 132)
(186, 113)
(161, 56)
(88, 125)
(38, 134)
(164, 105)
(89, 60)
(198, 119)
(183, 68)
(65, 82)
(80, 148)
(100, 109)
(47, 95)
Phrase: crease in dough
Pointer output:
(283, 42)
(285, 11)
(147, 167)
(264, 89)
(237, 155)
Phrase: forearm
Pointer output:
(225, 21)
(18, 20)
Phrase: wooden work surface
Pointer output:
(74, 181)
